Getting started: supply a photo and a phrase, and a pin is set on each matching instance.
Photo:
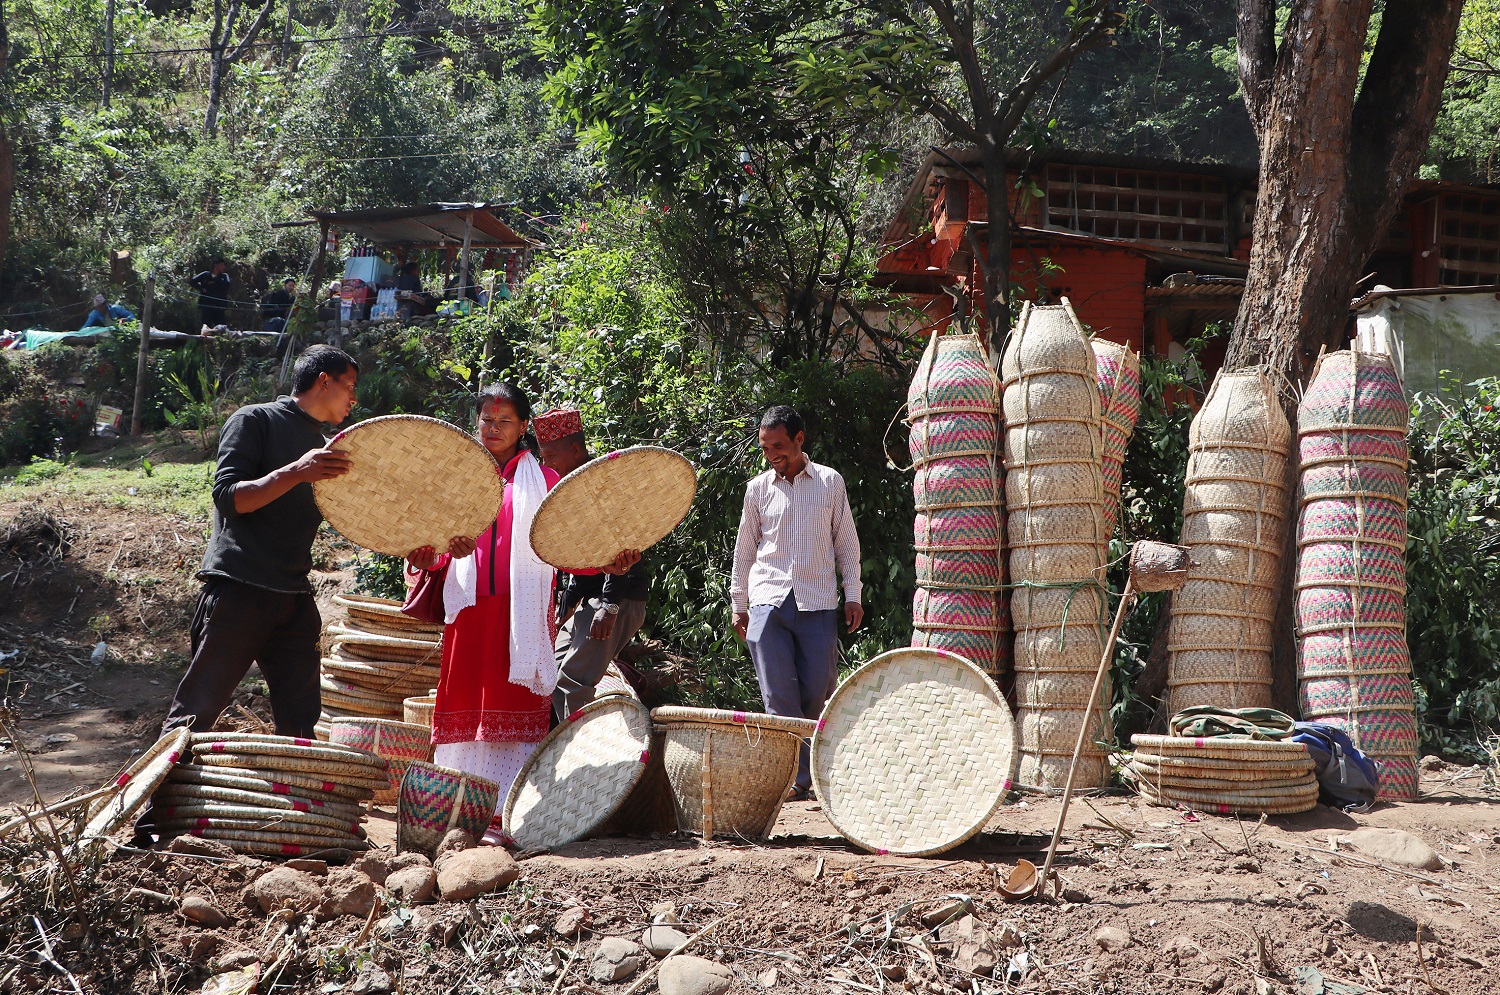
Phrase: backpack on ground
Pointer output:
(1347, 779)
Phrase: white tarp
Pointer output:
(1453, 334)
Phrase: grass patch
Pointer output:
(184, 489)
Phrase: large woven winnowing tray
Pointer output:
(413, 482)
(628, 499)
(914, 752)
(580, 774)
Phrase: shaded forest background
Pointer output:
(711, 183)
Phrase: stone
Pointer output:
(1008, 935)
(965, 929)
(233, 960)
(412, 885)
(201, 946)
(308, 865)
(203, 912)
(1077, 896)
(976, 958)
(949, 908)
(1396, 847)
(467, 873)
(893, 972)
(372, 866)
(665, 913)
(572, 922)
(661, 940)
(287, 888)
(1181, 950)
(371, 980)
(402, 861)
(531, 933)
(616, 959)
(200, 847)
(1111, 938)
(454, 841)
(349, 892)
(687, 975)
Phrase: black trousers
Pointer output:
(236, 625)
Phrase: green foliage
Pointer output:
(1453, 565)
(380, 575)
(38, 470)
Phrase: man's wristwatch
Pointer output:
(610, 609)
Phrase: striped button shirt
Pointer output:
(793, 533)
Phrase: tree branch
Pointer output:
(1080, 37)
(1255, 36)
(250, 33)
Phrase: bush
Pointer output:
(1453, 565)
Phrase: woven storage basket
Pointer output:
(1354, 667)
(398, 742)
(729, 771)
(413, 482)
(958, 490)
(136, 783)
(649, 808)
(1056, 533)
(628, 499)
(1234, 511)
(1119, 375)
(434, 800)
(914, 753)
(580, 774)
(418, 709)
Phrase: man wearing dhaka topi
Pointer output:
(795, 529)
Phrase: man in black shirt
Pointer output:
(276, 307)
(599, 613)
(213, 293)
(257, 605)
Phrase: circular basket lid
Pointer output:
(137, 782)
(580, 774)
(914, 752)
(629, 499)
(414, 482)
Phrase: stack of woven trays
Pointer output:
(1352, 658)
(1119, 375)
(1226, 775)
(960, 603)
(270, 796)
(1234, 509)
(378, 657)
(1058, 541)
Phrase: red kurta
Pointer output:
(476, 702)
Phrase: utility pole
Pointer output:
(140, 362)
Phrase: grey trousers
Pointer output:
(796, 656)
(581, 661)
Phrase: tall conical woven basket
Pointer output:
(959, 490)
(1119, 374)
(1353, 664)
(1234, 511)
(1058, 541)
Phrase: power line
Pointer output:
(318, 40)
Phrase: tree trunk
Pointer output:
(221, 56)
(7, 157)
(1337, 150)
(996, 266)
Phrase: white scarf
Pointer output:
(532, 663)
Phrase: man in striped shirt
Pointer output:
(796, 528)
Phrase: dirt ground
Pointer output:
(1156, 900)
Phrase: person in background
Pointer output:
(494, 696)
(598, 613)
(276, 307)
(106, 314)
(411, 298)
(795, 529)
(213, 293)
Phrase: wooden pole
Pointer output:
(140, 360)
(109, 49)
(463, 262)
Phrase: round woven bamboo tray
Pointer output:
(304, 841)
(914, 753)
(579, 775)
(278, 746)
(271, 782)
(413, 482)
(183, 792)
(756, 721)
(352, 680)
(358, 774)
(1231, 780)
(628, 499)
(418, 709)
(384, 649)
(253, 817)
(1289, 806)
(1226, 747)
(359, 638)
(728, 778)
(433, 800)
(361, 626)
(1264, 764)
(137, 781)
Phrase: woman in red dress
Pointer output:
(494, 696)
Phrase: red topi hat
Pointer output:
(558, 424)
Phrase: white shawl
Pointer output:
(532, 663)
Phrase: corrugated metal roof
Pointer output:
(428, 226)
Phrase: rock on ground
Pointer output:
(1396, 847)
(468, 873)
(413, 885)
(1111, 938)
(283, 887)
(616, 959)
(687, 975)
(203, 912)
(349, 892)
(572, 922)
(661, 940)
